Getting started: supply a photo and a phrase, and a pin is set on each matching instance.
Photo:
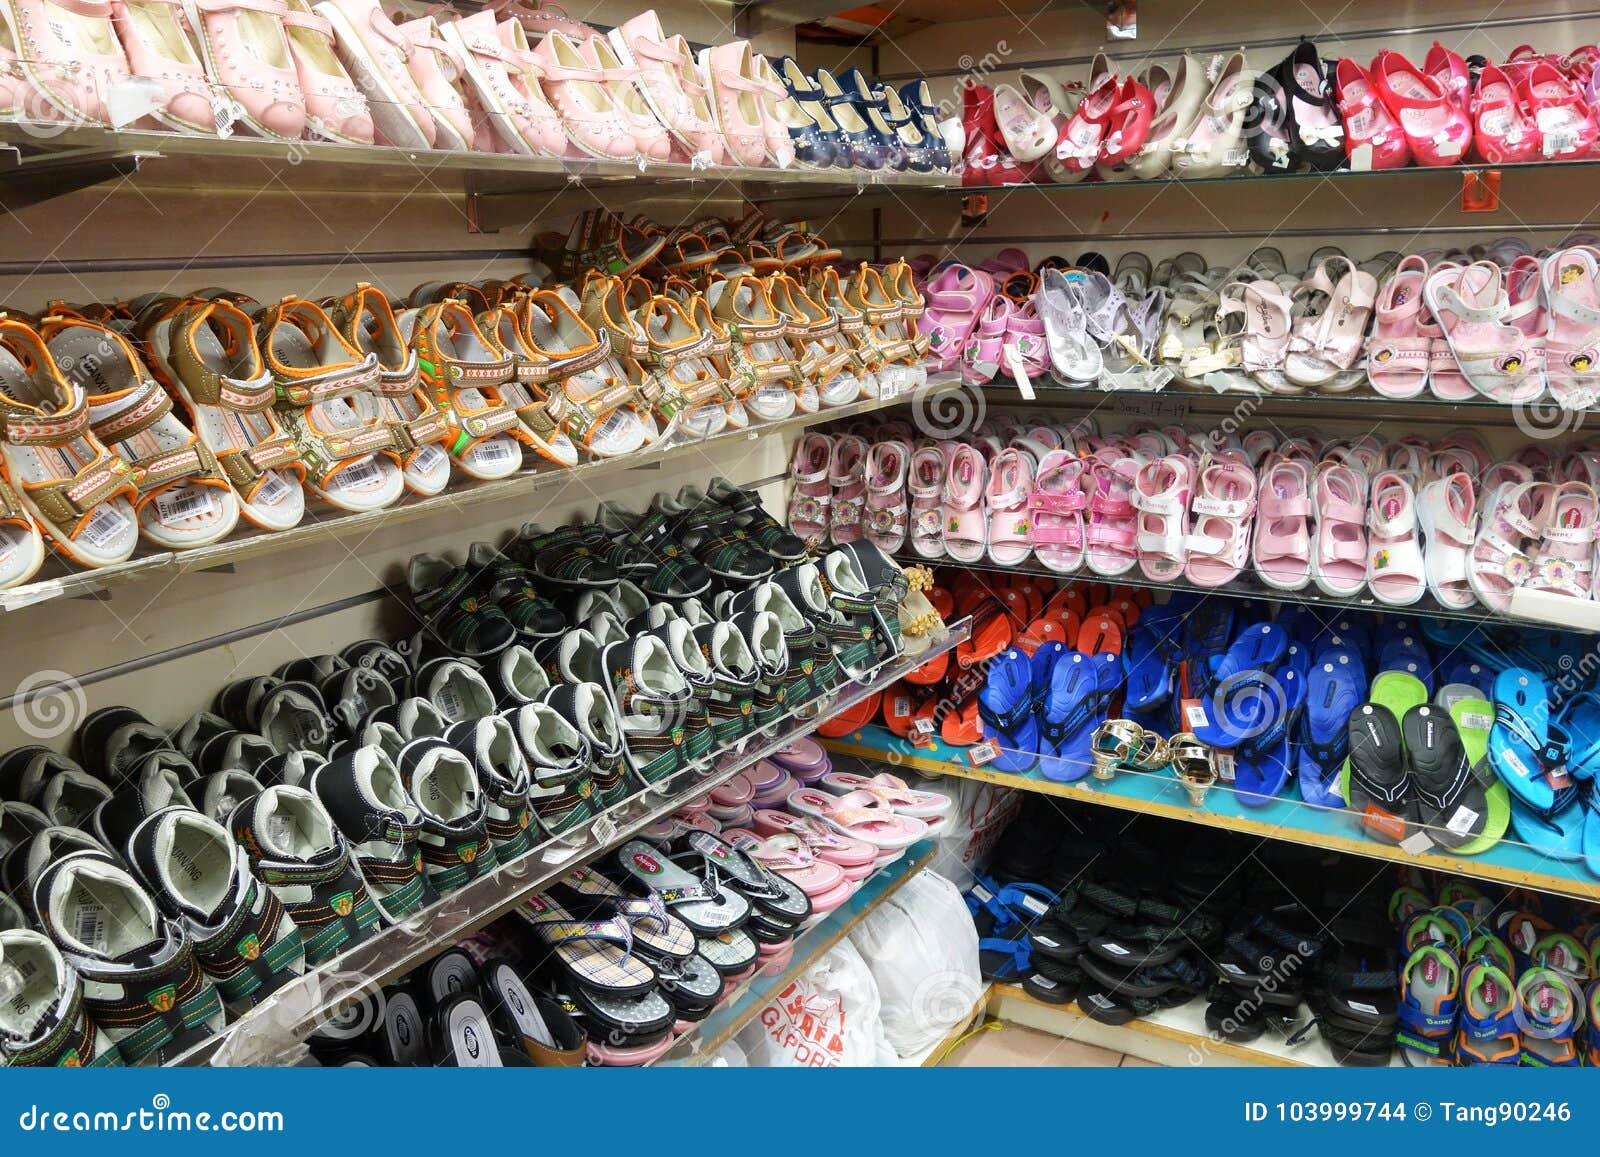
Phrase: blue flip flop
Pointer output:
(1005, 707)
(1043, 662)
(1467, 670)
(1261, 765)
(1151, 658)
(1335, 687)
(1076, 706)
(1525, 746)
(1243, 683)
(1559, 836)
(1580, 719)
(1408, 653)
(1207, 631)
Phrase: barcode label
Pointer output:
(449, 703)
(356, 475)
(273, 489)
(428, 459)
(89, 926)
(604, 829)
(106, 525)
(494, 451)
(184, 502)
(1461, 823)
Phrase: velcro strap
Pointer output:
(339, 383)
(486, 422)
(1220, 507)
(461, 373)
(28, 430)
(1069, 503)
(591, 411)
(149, 405)
(159, 469)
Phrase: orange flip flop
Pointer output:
(934, 670)
(1127, 610)
(852, 718)
(961, 727)
(1143, 597)
(1046, 629)
(1100, 633)
(1069, 599)
(899, 708)
(992, 632)
(942, 602)
(1034, 593)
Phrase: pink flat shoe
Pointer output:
(847, 475)
(438, 68)
(965, 532)
(670, 81)
(1112, 530)
(335, 109)
(1055, 512)
(789, 856)
(1567, 124)
(247, 53)
(1224, 503)
(779, 113)
(1495, 357)
(813, 496)
(1283, 526)
(736, 95)
(160, 51)
(925, 482)
(1161, 495)
(539, 19)
(625, 86)
(1372, 137)
(888, 517)
(498, 58)
(1397, 350)
(577, 90)
(68, 57)
(1006, 504)
(1339, 563)
(376, 53)
(1503, 133)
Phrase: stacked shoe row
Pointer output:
(508, 78)
(1351, 517)
(1501, 322)
(1186, 119)
(1163, 915)
(1494, 979)
(170, 419)
(348, 791)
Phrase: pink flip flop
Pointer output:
(1283, 528)
(1006, 504)
(924, 805)
(813, 497)
(965, 534)
(1223, 504)
(1055, 510)
(861, 815)
(856, 857)
(805, 759)
(1161, 493)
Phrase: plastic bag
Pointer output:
(922, 949)
(980, 812)
(826, 1018)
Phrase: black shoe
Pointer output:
(589, 710)
(764, 530)
(503, 781)
(453, 614)
(559, 764)
(367, 800)
(454, 838)
(511, 587)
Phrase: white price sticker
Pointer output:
(106, 525)
(184, 502)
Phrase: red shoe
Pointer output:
(984, 161)
(1567, 126)
(1082, 137)
(1129, 124)
(1502, 133)
(1438, 132)
(1367, 121)
(1446, 69)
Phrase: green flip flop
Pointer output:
(1473, 718)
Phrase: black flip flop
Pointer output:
(1107, 1008)
(462, 1035)
(401, 1038)
(1452, 800)
(1381, 792)
(451, 973)
(533, 1027)
(1236, 1017)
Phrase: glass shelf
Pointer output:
(741, 1006)
(1290, 819)
(270, 1033)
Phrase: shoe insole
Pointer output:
(199, 864)
(466, 1038)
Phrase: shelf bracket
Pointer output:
(31, 178)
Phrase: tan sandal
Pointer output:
(465, 370)
(540, 411)
(760, 353)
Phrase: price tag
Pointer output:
(983, 753)
(1019, 372)
(1416, 844)
(1461, 822)
(604, 829)
(184, 502)
(1361, 159)
(105, 526)
(1194, 715)
(923, 726)
(1226, 766)
(428, 459)
(273, 489)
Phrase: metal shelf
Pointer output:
(1291, 820)
(272, 1031)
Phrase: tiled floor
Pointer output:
(1013, 1046)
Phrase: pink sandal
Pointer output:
(887, 516)
(1055, 512)
(1223, 504)
(1398, 351)
(1283, 526)
(956, 297)
(823, 883)
(1571, 352)
(1339, 563)
(813, 497)
(1470, 305)
(1161, 494)
(894, 791)
(1006, 500)
(925, 481)
(1448, 511)
(1395, 572)
(1501, 558)
(965, 533)
(1564, 562)
(983, 356)
(847, 474)
(1111, 532)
